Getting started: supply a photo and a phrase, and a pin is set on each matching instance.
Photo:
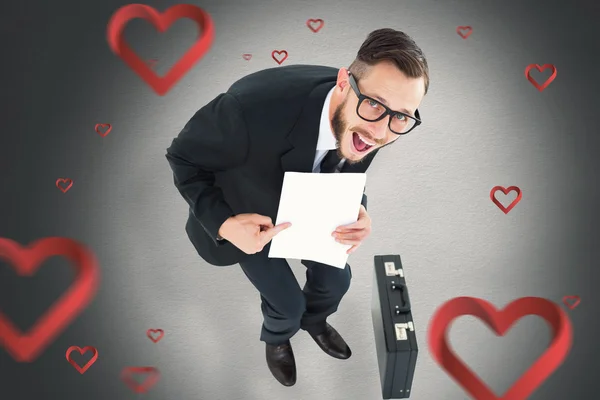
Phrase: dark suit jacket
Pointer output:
(231, 156)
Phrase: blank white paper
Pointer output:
(315, 205)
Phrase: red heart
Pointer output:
(161, 85)
(150, 333)
(68, 181)
(540, 68)
(102, 126)
(500, 322)
(246, 56)
(460, 30)
(149, 382)
(26, 347)
(82, 351)
(505, 191)
(279, 52)
(571, 301)
(310, 23)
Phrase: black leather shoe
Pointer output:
(332, 343)
(281, 362)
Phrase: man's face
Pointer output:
(384, 83)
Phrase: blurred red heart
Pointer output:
(161, 21)
(152, 376)
(571, 301)
(25, 347)
(279, 52)
(100, 127)
(64, 184)
(82, 352)
(540, 68)
(460, 30)
(500, 321)
(152, 334)
(311, 22)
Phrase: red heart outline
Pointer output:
(161, 21)
(500, 322)
(247, 56)
(279, 52)
(540, 68)
(68, 181)
(149, 333)
(506, 191)
(26, 347)
(311, 21)
(459, 30)
(567, 301)
(82, 351)
(98, 126)
(149, 382)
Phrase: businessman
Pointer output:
(229, 161)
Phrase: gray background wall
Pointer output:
(484, 125)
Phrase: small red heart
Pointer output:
(66, 188)
(246, 56)
(162, 21)
(279, 52)
(460, 30)
(25, 347)
(82, 351)
(500, 322)
(505, 191)
(310, 23)
(150, 333)
(99, 128)
(540, 68)
(152, 377)
(571, 301)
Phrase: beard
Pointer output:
(339, 126)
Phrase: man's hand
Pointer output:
(355, 233)
(250, 232)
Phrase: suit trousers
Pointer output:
(285, 307)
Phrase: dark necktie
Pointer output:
(330, 162)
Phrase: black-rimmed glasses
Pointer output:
(372, 110)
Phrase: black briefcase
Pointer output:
(395, 338)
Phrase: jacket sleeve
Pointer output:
(215, 139)
(364, 200)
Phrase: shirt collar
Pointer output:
(326, 139)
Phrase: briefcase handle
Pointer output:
(405, 306)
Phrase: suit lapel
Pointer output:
(305, 133)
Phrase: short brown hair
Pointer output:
(395, 46)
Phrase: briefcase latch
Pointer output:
(401, 330)
(390, 269)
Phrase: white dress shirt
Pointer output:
(326, 139)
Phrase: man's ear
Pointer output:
(342, 78)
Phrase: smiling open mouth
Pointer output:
(359, 144)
